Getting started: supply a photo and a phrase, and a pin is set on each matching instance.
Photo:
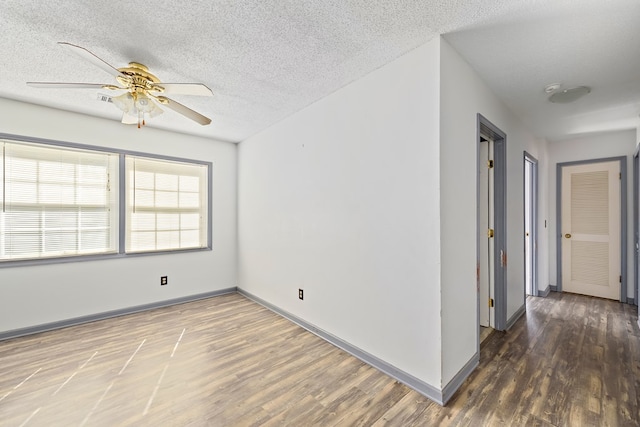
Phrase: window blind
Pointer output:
(56, 201)
(166, 205)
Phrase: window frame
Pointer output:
(121, 197)
(131, 185)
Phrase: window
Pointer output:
(60, 201)
(166, 205)
(56, 202)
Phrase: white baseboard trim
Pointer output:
(409, 380)
(108, 314)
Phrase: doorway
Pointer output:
(486, 234)
(530, 224)
(491, 226)
(636, 226)
(591, 236)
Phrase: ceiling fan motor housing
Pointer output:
(137, 78)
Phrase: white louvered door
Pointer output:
(591, 229)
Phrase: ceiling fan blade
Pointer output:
(55, 85)
(88, 56)
(129, 119)
(182, 89)
(185, 111)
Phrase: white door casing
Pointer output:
(590, 227)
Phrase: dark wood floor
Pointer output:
(226, 361)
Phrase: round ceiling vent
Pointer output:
(566, 96)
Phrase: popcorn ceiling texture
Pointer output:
(267, 59)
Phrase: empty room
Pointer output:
(319, 213)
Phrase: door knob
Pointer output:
(568, 236)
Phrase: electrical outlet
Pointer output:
(300, 294)
(164, 280)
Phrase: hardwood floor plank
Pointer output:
(226, 361)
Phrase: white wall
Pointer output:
(341, 199)
(36, 295)
(598, 146)
(463, 96)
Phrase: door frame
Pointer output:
(636, 224)
(534, 223)
(485, 127)
(623, 219)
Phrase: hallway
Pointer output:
(572, 360)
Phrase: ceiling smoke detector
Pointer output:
(565, 96)
(552, 88)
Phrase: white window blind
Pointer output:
(56, 201)
(166, 206)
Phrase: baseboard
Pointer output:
(108, 314)
(453, 385)
(409, 380)
(544, 293)
(553, 288)
(516, 316)
(631, 301)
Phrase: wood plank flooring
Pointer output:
(484, 333)
(226, 361)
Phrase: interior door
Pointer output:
(590, 227)
(528, 227)
(636, 226)
(486, 271)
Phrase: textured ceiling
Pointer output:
(265, 60)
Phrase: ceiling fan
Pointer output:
(144, 91)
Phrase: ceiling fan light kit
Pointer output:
(136, 105)
(143, 90)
